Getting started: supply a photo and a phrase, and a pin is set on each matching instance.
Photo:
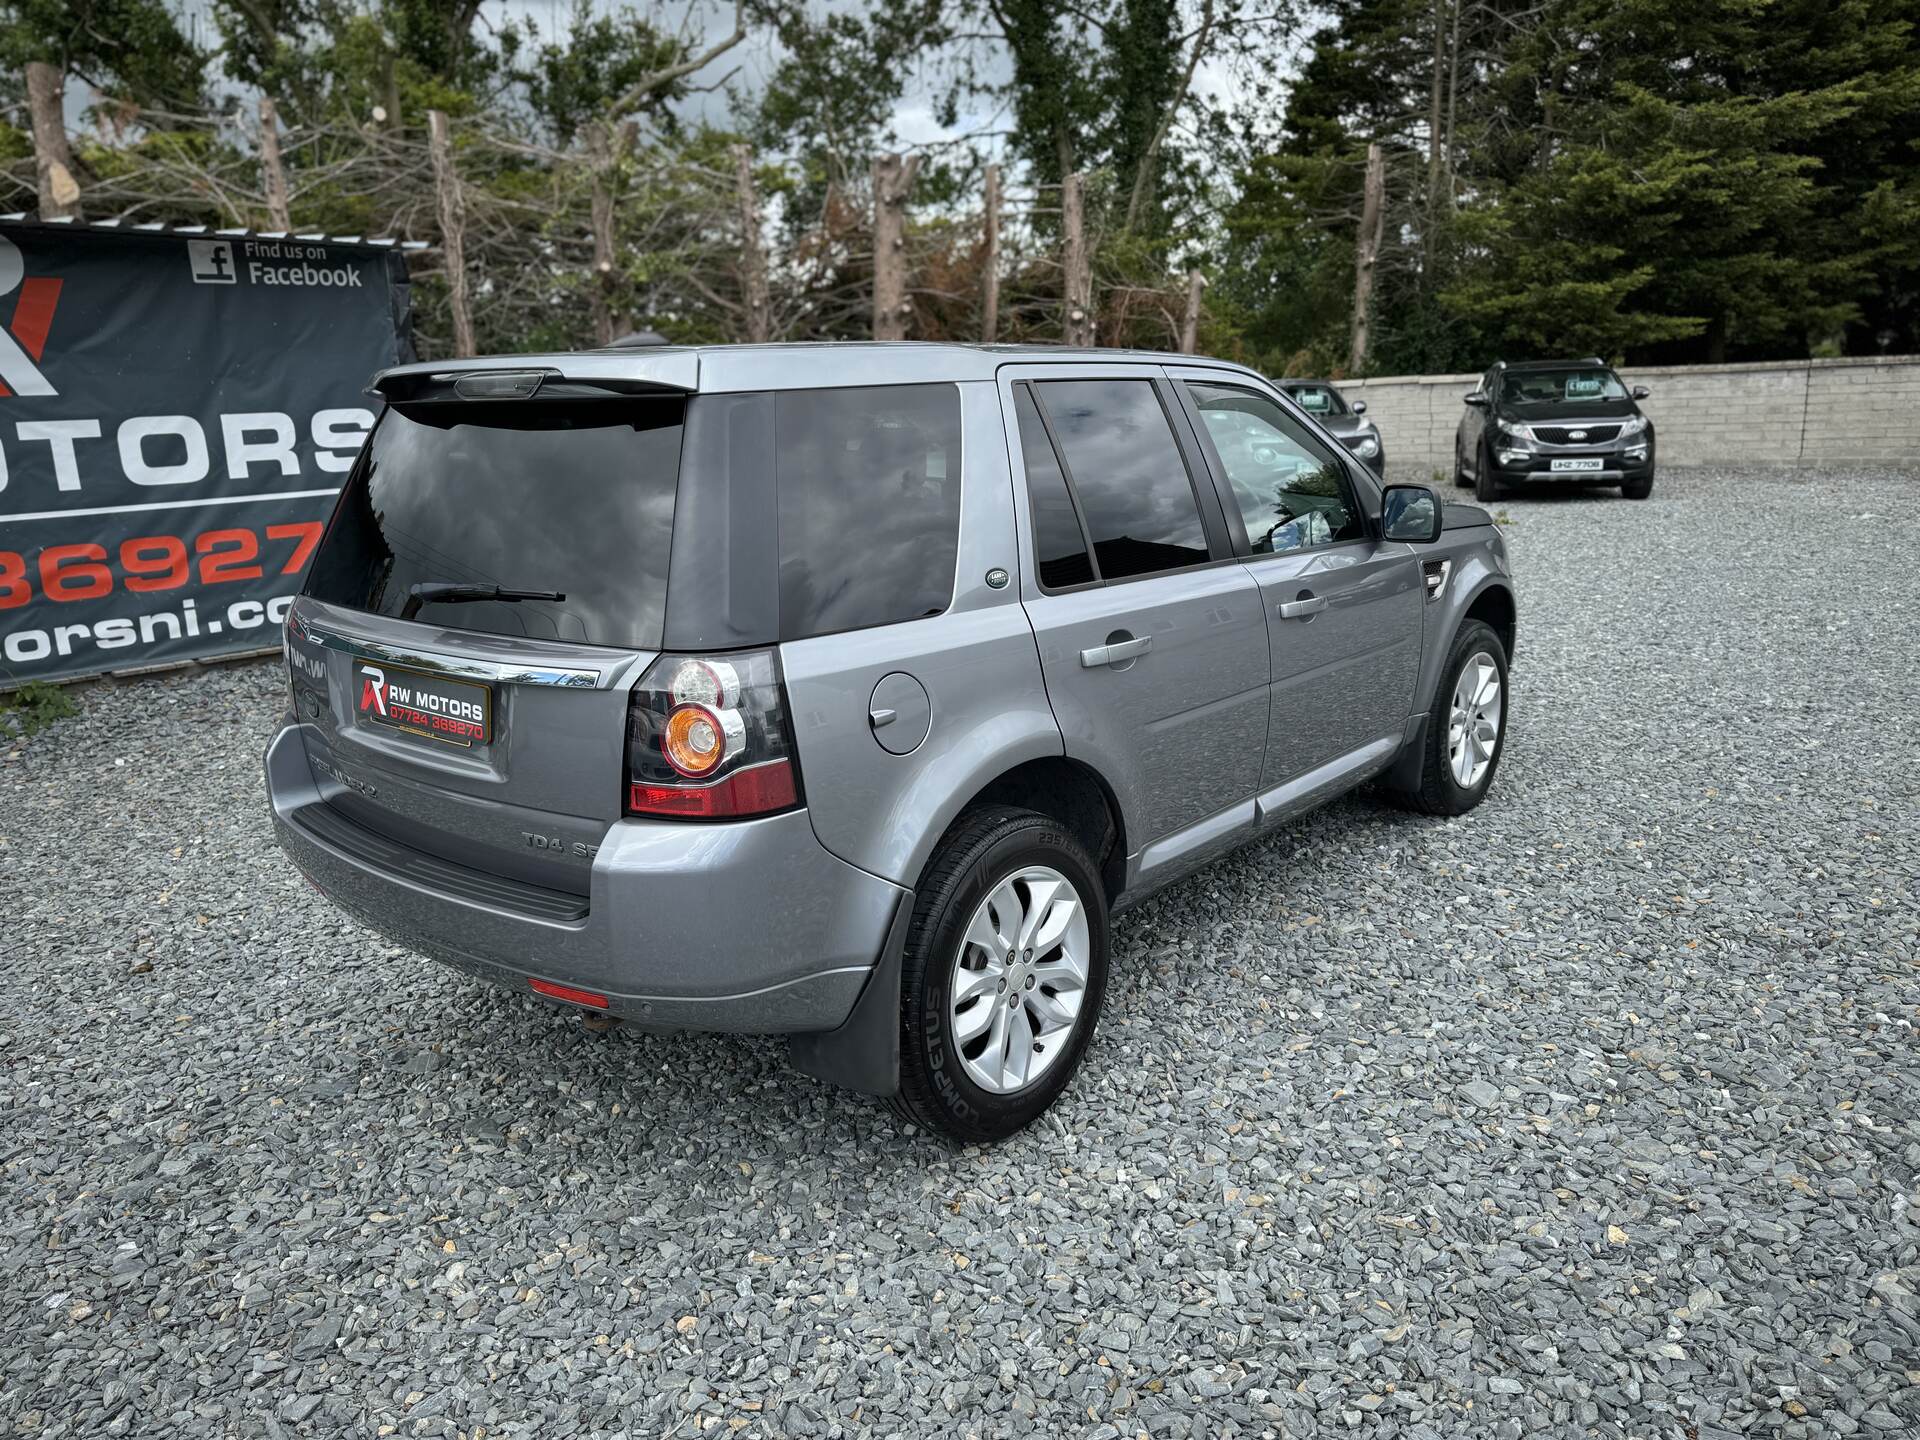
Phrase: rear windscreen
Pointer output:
(567, 504)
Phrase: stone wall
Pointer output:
(1800, 412)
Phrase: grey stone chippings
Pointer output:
(1593, 1113)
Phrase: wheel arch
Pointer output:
(1486, 596)
(864, 1052)
(1074, 794)
(1493, 605)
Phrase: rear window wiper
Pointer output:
(447, 593)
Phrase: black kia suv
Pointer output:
(1557, 421)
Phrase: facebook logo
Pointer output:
(212, 262)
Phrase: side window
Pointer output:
(1059, 544)
(868, 484)
(1127, 471)
(1293, 494)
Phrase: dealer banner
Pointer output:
(177, 413)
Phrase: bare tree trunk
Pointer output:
(453, 230)
(53, 161)
(892, 182)
(1366, 251)
(390, 87)
(1453, 100)
(600, 293)
(279, 211)
(1190, 322)
(1436, 92)
(990, 286)
(1143, 174)
(753, 254)
(1077, 328)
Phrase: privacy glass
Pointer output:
(1128, 473)
(1292, 492)
(869, 505)
(1059, 546)
(570, 497)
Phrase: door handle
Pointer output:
(1307, 604)
(1117, 653)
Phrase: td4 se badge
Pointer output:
(433, 707)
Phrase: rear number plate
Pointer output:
(431, 706)
(1579, 464)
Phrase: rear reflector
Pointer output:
(569, 994)
(752, 791)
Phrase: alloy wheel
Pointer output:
(1019, 979)
(1473, 725)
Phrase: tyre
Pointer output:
(1003, 974)
(1486, 486)
(1638, 489)
(1467, 729)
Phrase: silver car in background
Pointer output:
(847, 691)
(1346, 420)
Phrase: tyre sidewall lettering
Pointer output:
(955, 1091)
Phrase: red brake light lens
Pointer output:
(708, 739)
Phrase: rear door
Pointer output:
(1151, 641)
(491, 584)
(1343, 608)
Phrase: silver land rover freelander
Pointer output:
(848, 691)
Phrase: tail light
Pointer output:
(708, 739)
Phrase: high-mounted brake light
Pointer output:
(708, 739)
(500, 384)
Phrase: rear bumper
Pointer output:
(750, 927)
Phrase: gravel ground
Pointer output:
(1596, 1112)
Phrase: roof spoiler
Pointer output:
(552, 377)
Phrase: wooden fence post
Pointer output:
(1190, 322)
(279, 209)
(892, 183)
(753, 255)
(53, 161)
(1077, 329)
(1366, 252)
(453, 230)
(990, 281)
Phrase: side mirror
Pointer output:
(1359, 407)
(1477, 399)
(1411, 513)
(1640, 392)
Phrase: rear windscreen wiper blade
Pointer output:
(438, 593)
